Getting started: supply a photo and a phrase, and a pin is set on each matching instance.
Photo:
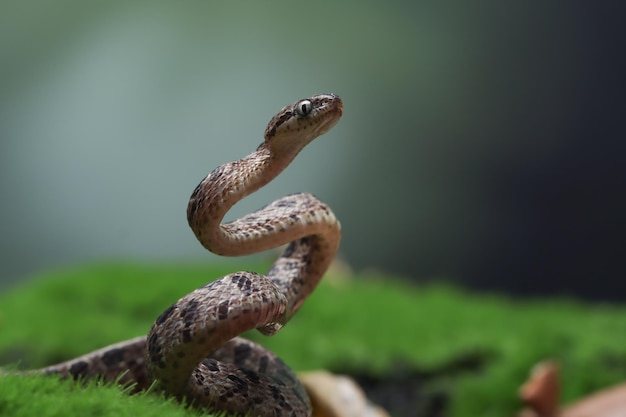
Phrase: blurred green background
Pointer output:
(482, 142)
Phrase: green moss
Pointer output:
(45, 396)
(367, 322)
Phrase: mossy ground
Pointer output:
(368, 324)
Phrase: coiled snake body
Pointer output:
(192, 349)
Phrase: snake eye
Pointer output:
(304, 107)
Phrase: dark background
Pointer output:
(482, 143)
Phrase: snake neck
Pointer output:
(221, 189)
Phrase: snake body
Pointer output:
(193, 350)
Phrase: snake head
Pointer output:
(299, 123)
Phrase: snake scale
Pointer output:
(193, 350)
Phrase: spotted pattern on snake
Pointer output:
(193, 350)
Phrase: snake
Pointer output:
(193, 350)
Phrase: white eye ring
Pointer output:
(304, 107)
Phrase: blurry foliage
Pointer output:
(366, 322)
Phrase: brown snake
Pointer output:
(192, 349)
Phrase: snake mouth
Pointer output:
(329, 112)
